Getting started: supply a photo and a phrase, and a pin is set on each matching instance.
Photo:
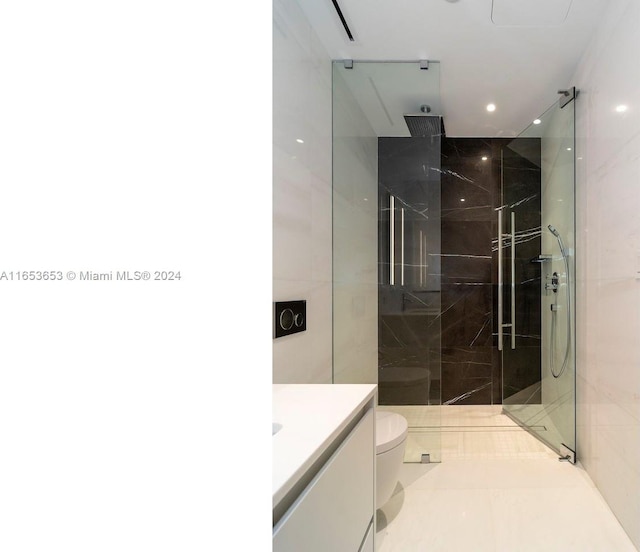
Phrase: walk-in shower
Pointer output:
(545, 404)
(440, 288)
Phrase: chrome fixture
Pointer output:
(554, 286)
(512, 324)
(542, 258)
(424, 125)
(567, 96)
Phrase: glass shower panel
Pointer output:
(386, 241)
(537, 241)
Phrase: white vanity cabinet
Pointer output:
(332, 506)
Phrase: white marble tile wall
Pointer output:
(301, 193)
(608, 234)
(355, 228)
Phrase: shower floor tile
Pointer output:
(497, 489)
(471, 432)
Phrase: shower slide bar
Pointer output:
(501, 324)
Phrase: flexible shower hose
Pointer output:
(554, 314)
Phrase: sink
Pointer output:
(275, 428)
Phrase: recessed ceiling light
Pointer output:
(491, 107)
(462, 199)
(299, 141)
(484, 158)
(537, 122)
(621, 108)
(568, 149)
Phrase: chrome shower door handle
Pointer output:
(500, 282)
(513, 280)
(501, 324)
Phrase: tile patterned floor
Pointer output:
(497, 489)
(457, 432)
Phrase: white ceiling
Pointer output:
(388, 91)
(513, 53)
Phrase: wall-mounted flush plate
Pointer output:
(289, 317)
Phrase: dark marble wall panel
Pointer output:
(467, 375)
(468, 181)
(470, 190)
(466, 238)
(471, 194)
(409, 308)
(466, 315)
(459, 269)
(522, 366)
(441, 325)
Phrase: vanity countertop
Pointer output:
(312, 416)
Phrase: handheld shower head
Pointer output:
(553, 230)
(565, 258)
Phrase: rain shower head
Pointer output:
(423, 125)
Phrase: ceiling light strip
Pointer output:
(344, 22)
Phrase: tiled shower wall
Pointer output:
(471, 367)
(458, 342)
(409, 307)
(302, 262)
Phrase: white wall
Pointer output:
(301, 193)
(355, 231)
(608, 295)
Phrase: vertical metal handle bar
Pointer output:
(500, 299)
(402, 246)
(513, 280)
(392, 239)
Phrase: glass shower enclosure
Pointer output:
(393, 253)
(536, 286)
(386, 240)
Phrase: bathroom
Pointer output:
(308, 254)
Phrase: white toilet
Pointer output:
(391, 437)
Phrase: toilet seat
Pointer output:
(391, 430)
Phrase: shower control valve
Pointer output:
(555, 283)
